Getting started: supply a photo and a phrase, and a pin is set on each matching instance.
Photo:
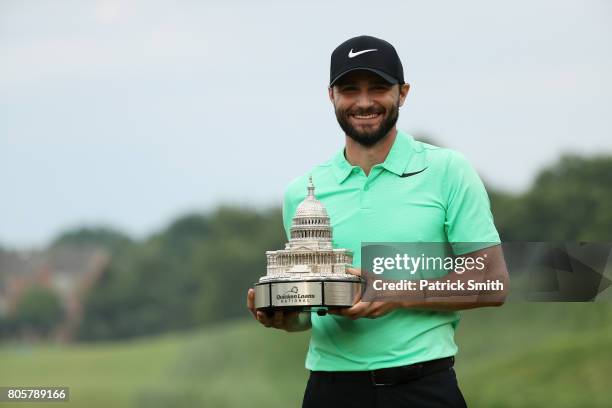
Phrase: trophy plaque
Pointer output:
(309, 274)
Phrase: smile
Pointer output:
(366, 117)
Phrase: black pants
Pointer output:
(439, 389)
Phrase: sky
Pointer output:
(131, 113)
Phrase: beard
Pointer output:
(368, 138)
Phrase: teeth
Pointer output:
(373, 115)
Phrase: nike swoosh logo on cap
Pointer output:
(413, 173)
(354, 54)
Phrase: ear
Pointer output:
(330, 92)
(403, 92)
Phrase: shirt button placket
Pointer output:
(365, 195)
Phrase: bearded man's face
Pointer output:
(366, 106)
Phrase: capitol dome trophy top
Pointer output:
(309, 274)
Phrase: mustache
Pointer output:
(369, 111)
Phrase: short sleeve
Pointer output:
(469, 223)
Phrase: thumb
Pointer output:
(354, 271)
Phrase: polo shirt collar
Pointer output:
(396, 162)
(341, 167)
(399, 156)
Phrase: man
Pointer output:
(384, 186)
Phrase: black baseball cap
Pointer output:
(369, 53)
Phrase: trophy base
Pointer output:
(315, 295)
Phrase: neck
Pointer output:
(367, 157)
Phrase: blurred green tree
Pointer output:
(194, 272)
(569, 201)
(197, 270)
(38, 311)
(102, 237)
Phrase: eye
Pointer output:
(348, 88)
(380, 87)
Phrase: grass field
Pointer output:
(520, 355)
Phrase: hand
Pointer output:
(283, 320)
(370, 310)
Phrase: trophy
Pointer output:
(309, 274)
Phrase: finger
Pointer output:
(291, 315)
(373, 311)
(279, 318)
(366, 311)
(354, 271)
(263, 319)
(251, 302)
(356, 310)
(380, 309)
(335, 311)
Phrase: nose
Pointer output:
(364, 100)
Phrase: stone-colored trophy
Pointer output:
(308, 274)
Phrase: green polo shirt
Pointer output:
(446, 202)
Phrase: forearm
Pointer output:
(445, 305)
(465, 298)
(472, 288)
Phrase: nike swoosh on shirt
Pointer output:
(413, 173)
(354, 54)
